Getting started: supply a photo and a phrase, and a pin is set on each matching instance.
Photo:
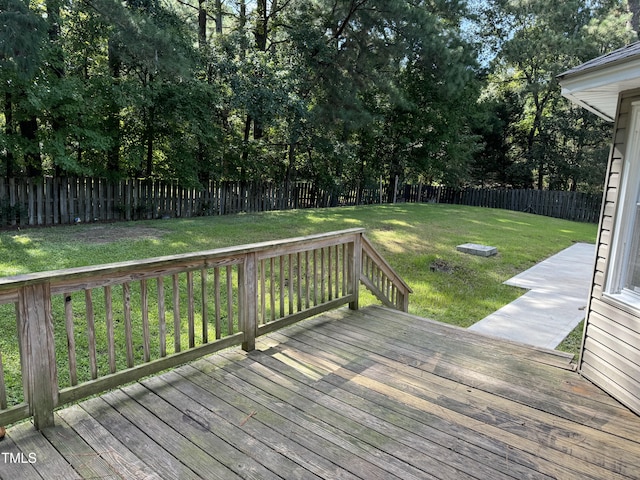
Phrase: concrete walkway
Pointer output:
(553, 306)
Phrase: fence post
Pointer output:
(355, 267)
(37, 352)
(248, 300)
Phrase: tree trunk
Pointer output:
(245, 141)
(395, 172)
(260, 34)
(243, 14)
(8, 130)
(218, 9)
(113, 114)
(32, 158)
(149, 156)
(202, 25)
(291, 161)
(56, 65)
(634, 9)
(201, 154)
(540, 174)
(531, 138)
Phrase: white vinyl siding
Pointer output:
(623, 276)
(610, 355)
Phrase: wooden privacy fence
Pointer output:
(576, 206)
(55, 201)
(84, 330)
(59, 201)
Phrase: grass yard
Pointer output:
(419, 241)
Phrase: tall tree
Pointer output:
(21, 40)
(538, 40)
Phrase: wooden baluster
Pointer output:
(3, 391)
(205, 306)
(71, 339)
(290, 264)
(330, 272)
(162, 321)
(272, 289)
(315, 277)
(111, 340)
(176, 313)
(191, 310)
(307, 283)
(282, 286)
(337, 269)
(216, 288)
(384, 286)
(299, 280)
(323, 282)
(263, 292)
(229, 300)
(91, 333)
(146, 340)
(344, 269)
(128, 329)
(355, 262)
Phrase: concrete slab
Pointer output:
(476, 249)
(553, 306)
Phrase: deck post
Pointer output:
(37, 352)
(403, 303)
(248, 300)
(355, 267)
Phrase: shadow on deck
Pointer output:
(372, 394)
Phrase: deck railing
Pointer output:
(382, 280)
(82, 331)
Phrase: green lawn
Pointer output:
(419, 241)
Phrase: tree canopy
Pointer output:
(330, 91)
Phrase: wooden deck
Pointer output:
(373, 394)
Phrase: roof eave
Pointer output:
(582, 103)
(597, 89)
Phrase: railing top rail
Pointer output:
(11, 283)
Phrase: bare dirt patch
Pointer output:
(440, 265)
(112, 233)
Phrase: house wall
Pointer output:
(610, 355)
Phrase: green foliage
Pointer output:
(282, 89)
(573, 342)
(332, 91)
(11, 214)
(546, 139)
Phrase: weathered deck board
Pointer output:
(113, 445)
(528, 424)
(373, 394)
(553, 393)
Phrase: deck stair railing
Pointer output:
(82, 331)
(382, 280)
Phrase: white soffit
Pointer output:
(597, 89)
